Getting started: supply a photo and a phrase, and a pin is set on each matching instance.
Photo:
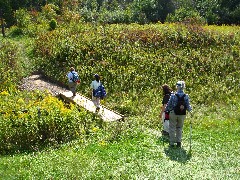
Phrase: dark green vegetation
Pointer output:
(43, 138)
(134, 11)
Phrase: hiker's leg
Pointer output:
(98, 102)
(94, 100)
(172, 128)
(179, 126)
(72, 87)
(165, 123)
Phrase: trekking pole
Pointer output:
(190, 135)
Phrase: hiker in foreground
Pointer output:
(164, 115)
(177, 106)
(98, 91)
(73, 80)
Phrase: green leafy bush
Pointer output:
(11, 65)
(23, 18)
(30, 121)
(185, 15)
(132, 58)
(53, 24)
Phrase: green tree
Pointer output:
(7, 12)
(185, 15)
(229, 11)
(164, 7)
(209, 10)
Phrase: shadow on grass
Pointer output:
(178, 154)
(175, 154)
(163, 140)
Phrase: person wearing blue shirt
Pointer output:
(94, 86)
(72, 85)
(176, 119)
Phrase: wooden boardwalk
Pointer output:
(106, 114)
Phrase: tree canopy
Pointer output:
(133, 11)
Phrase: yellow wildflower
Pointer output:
(4, 93)
(20, 101)
(21, 115)
(95, 129)
(102, 143)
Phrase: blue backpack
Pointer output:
(100, 92)
(75, 77)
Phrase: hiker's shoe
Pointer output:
(179, 144)
(165, 133)
(97, 109)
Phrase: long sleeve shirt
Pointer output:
(173, 101)
(70, 76)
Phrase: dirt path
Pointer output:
(38, 82)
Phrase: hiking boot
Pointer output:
(97, 109)
(165, 133)
(179, 144)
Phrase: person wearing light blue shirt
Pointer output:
(176, 119)
(94, 86)
(72, 85)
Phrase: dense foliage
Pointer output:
(33, 120)
(133, 11)
(30, 121)
(13, 64)
(133, 58)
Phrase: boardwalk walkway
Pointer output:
(106, 114)
(37, 81)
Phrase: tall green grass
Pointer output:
(138, 153)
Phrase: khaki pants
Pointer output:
(96, 101)
(72, 86)
(175, 127)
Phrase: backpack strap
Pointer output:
(179, 96)
(72, 76)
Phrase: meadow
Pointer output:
(44, 138)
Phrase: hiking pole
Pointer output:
(190, 135)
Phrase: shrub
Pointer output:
(11, 67)
(30, 121)
(23, 18)
(49, 11)
(143, 55)
(16, 31)
(53, 24)
(184, 15)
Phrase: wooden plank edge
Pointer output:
(72, 100)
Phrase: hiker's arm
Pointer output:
(162, 110)
(169, 105)
(189, 107)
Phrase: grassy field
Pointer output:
(138, 152)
